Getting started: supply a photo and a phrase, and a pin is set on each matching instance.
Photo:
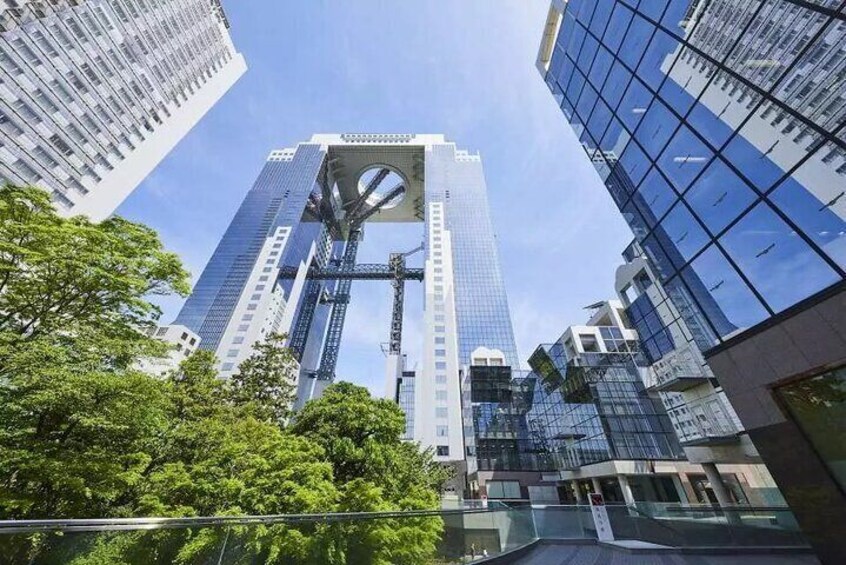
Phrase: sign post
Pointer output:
(600, 517)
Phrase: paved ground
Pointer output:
(602, 555)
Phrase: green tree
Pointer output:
(196, 390)
(71, 274)
(375, 471)
(215, 458)
(265, 383)
(84, 434)
(74, 434)
(362, 439)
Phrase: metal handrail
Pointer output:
(660, 523)
(109, 524)
(729, 508)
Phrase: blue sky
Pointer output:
(464, 69)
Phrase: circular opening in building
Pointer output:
(382, 181)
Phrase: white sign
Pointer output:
(600, 517)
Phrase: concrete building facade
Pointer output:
(182, 343)
(95, 93)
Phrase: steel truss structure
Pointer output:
(345, 270)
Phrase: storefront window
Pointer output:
(818, 406)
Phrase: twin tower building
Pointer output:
(287, 261)
(95, 94)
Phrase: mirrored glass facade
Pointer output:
(497, 402)
(718, 129)
(593, 408)
(481, 304)
(276, 200)
(405, 400)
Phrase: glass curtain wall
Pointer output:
(718, 128)
(595, 408)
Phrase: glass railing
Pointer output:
(676, 526)
(437, 537)
(466, 532)
(707, 526)
(563, 522)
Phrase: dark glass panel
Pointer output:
(567, 108)
(565, 74)
(653, 9)
(654, 196)
(781, 265)
(685, 234)
(587, 54)
(588, 142)
(599, 119)
(577, 36)
(586, 101)
(676, 16)
(634, 163)
(684, 158)
(710, 116)
(657, 127)
(616, 138)
(815, 199)
(721, 294)
(565, 33)
(574, 87)
(617, 25)
(818, 405)
(634, 104)
(615, 86)
(633, 217)
(657, 256)
(617, 185)
(584, 10)
(601, 66)
(601, 15)
(634, 44)
(658, 59)
(755, 146)
(719, 196)
(700, 329)
(685, 82)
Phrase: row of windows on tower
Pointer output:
(440, 352)
(58, 45)
(258, 292)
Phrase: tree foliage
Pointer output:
(362, 439)
(73, 276)
(84, 434)
(265, 384)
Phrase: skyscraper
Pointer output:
(96, 93)
(287, 260)
(718, 128)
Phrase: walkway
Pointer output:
(605, 555)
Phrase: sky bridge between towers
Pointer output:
(379, 178)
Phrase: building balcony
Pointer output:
(677, 371)
(676, 383)
(710, 422)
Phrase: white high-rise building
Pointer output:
(287, 261)
(95, 93)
